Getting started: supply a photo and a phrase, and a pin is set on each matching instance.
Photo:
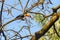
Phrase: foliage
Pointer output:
(40, 19)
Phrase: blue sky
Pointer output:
(16, 25)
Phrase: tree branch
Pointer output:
(46, 27)
(35, 4)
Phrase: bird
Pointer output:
(22, 16)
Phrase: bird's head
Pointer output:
(27, 15)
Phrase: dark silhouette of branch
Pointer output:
(19, 17)
(50, 2)
(4, 35)
(1, 31)
(55, 8)
(26, 4)
(1, 13)
(21, 4)
(56, 30)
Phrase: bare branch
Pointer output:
(13, 7)
(36, 4)
(26, 4)
(56, 30)
(21, 4)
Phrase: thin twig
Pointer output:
(56, 31)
